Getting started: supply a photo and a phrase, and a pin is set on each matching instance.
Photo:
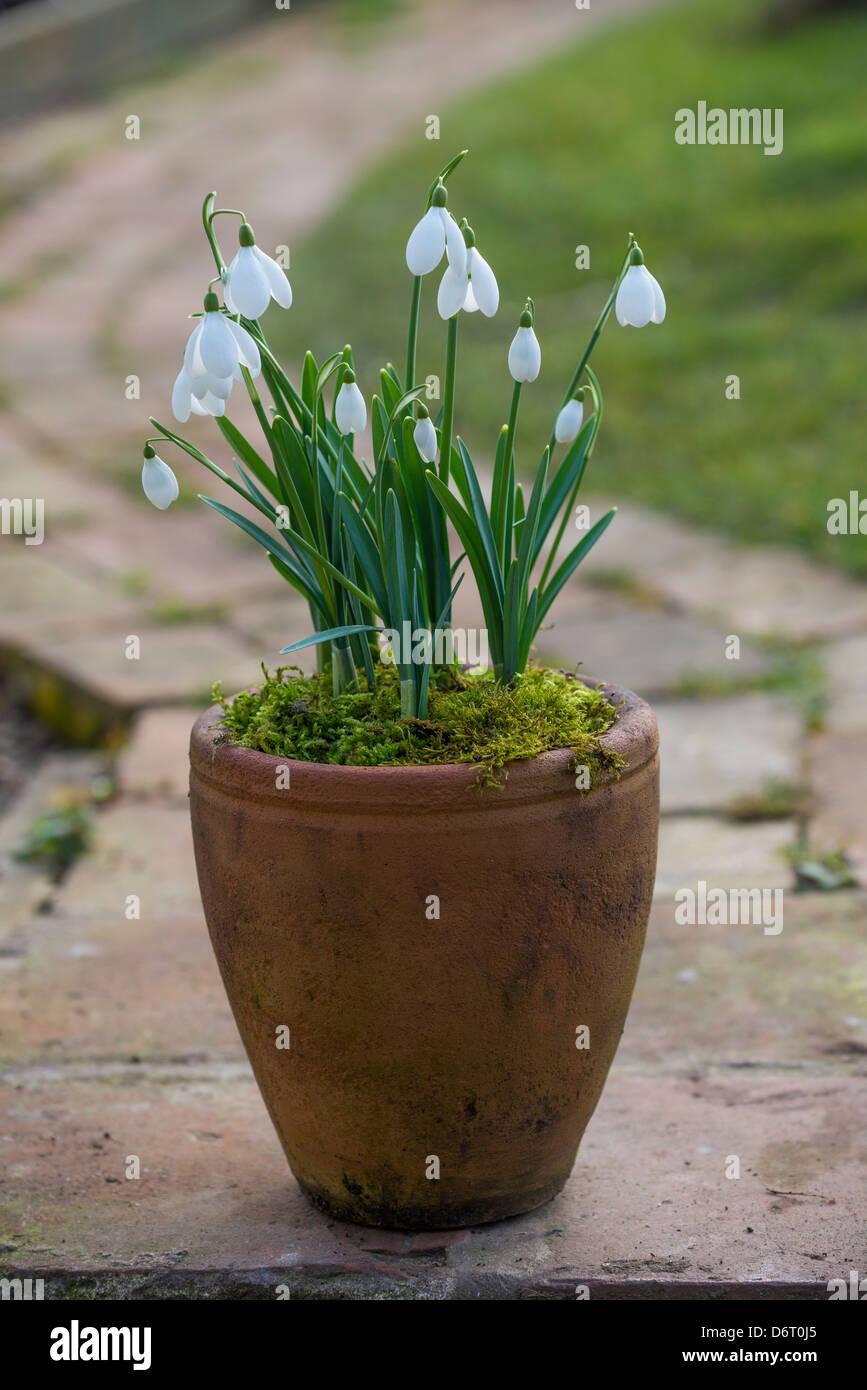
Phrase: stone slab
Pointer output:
(846, 670)
(714, 750)
(644, 649)
(750, 590)
(648, 1203)
(155, 762)
(139, 847)
(749, 1060)
(724, 854)
(41, 594)
(837, 771)
(178, 664)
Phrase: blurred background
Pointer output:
(316, 118)
(325, 120)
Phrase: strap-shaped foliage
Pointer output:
(368, 545)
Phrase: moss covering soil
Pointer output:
(471, 718)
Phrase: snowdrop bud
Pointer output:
(525, 354)
(425, 436)
(157, 479)
(569, 421)
(427, 241)
(639, 299)
(350, 412)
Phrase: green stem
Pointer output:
(343, 676)
(207, 216)
(567, 510)
(408, 699)
(449, 399)
(412, 334)
(508, 474)
(317, 485)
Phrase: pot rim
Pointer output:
(251, 773)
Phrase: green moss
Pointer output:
(471, 719)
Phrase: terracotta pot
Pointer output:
(420, 1042)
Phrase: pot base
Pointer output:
(445, 1217)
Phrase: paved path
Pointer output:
(730, 1040)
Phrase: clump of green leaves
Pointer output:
(368, 547)
(57, 839)
(816, 872)
(471, 719)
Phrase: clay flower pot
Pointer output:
(429, 954)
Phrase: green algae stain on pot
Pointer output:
(433, 1078)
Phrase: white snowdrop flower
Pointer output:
(435, 233)
(639, 299)
(203, 394)
(182, 396)
(350, 412)
(219, 345)
(157, 479)
(203, 387)
(253, 279)
(425, 436)
(208, 384)
(569, 422)
(209, 404)
(476, 289)
(525, 354)
(483, 292)
(452, 294)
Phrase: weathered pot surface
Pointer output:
(433, 951)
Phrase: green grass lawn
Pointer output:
(763, 261)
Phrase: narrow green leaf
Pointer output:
(573, 559)
(330, 635)
(245, 451)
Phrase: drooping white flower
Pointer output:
(569, 422)
(158, 481)
(525, 354)
(253, 279)
(425, 437)
(204, 395)
(223, 345)
(216, 350)
(476, 289)
(639, 299)
(350, 412)
(435, 233)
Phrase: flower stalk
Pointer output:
(367, 545)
